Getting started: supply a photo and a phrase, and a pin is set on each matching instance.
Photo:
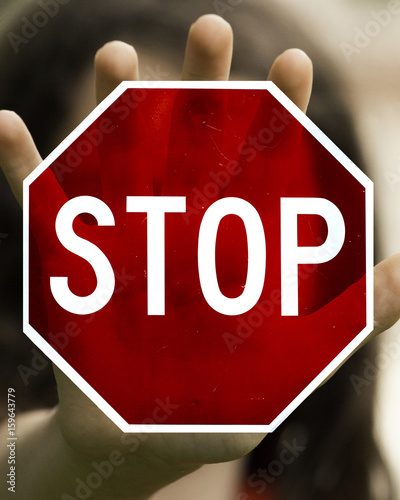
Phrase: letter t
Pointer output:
(156, 207)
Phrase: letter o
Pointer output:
(256, 256)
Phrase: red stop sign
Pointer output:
(198, 256)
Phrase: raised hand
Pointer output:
(82, 429)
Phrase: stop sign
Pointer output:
(198, 256)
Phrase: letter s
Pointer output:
(88, 251)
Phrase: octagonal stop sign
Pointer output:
(198, 256)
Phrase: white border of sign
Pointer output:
(322, 138)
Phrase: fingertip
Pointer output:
(209, 49)
(114, 63)
(11, 127)
(292, 72)
(296, 60)
(211, 33)
(115, 56)
(387, 293)
(18, 153)
(15, 140)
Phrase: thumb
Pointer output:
(386, 293)
(18, 153)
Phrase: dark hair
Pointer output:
(39, 80)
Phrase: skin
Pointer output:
(76, 433)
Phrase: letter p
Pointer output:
(292, 255)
